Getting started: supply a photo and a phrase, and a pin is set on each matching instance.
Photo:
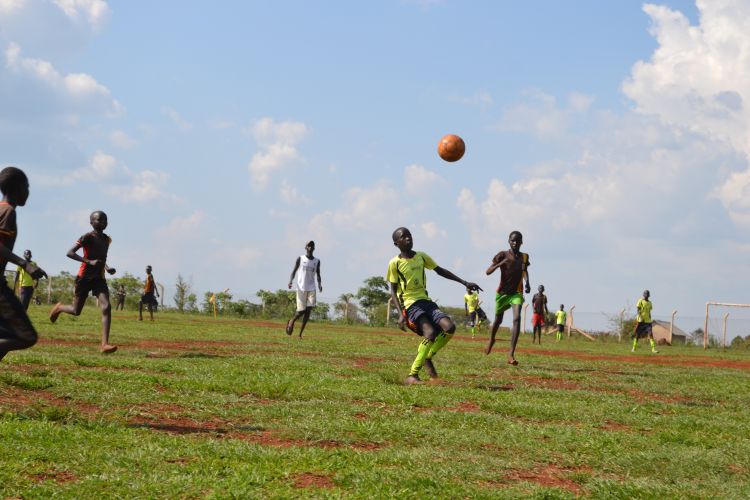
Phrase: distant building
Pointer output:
(661, 333)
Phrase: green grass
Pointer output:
(192, 407)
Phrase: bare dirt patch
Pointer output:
(310, 480)
(612, 426)
(550, 476)
(18, 400)
(60, 477)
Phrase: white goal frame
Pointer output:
(705, 324)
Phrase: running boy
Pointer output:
(643, 325)
(513, 265)
(16, 331)
(560, 317)
(149, 295)
(539, 304)
(309, 267)
(25, 282)
(473, 310)
(90, 277)
(406, 274)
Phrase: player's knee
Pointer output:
(451, 328)
(429, 332)
(106, 308)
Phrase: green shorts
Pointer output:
(504, 302)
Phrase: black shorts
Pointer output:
(642, 330)
(94, 286)
(14, 323)
(560, 328)
(149, 299)
(478, 313)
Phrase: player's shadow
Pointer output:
(195, 429)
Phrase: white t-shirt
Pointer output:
(308, 268)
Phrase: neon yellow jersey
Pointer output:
(472, 301)
(24, 278)
(644, 311)
(409, 276)
(560, 317)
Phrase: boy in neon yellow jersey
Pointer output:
(513, 265)
(560, 317)
(474, 311)
(643, 325)
(25, 283)
(406, 274)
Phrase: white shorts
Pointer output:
(305, 300)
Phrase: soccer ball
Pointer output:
(451, 148)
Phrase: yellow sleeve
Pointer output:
(392, 274)
(428, 262)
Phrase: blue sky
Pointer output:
(220, 137)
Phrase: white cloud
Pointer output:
(178, 120)
(480, 99)
(184, 225)
(220, 124)
(241, 256)
(289, 194)
(122, 140)
(278, 142)
(79, 89)
(431, 230)
(10, 6)
(95, 12)
(541, 114)
(143, 186)
(417, 179)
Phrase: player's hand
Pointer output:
(528, 288)
(34, 271)
(111, 270)
(473, 287)
(289, 286)
(320, 287)
(402, 323)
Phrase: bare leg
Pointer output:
(305, 319)
(151, 311)
(495, 326)
(290, 323)
(140, 310)
(515, 333)
(106, 308)
(74, 309)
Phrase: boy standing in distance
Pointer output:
(148, 297)
(16, 331)
(90, 277)
(25, 282)
(513, 265)
(406, 274)
(560, 317)
(309, 267)
(643, 325)
(539, 304)
(120, 296)
(473, 310)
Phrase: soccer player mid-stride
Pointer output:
(149, 295)
(560, 317)
(473, 309)
(309, 267)
(513, 265)
(90, 277)
(16, 331)
(643, 327)
(406, 274)
(539, 304)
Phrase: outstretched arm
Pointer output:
(35, 272)
(291, 278)
(496, 263)
(320, 283)
(449, 275)
(528, 283)
(397, 303)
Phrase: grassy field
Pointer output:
(193, 407)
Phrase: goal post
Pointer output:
(705, 324)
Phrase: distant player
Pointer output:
(149, 295)
(16, 330)
(90, 279)
(25, 283)
(308, 267)
(120, 298)
(539, 304)
(406, 274)
(560, 318)
(473, 309)
(513, 265)
(643, 327)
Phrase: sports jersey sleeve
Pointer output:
(526, 260)
(429, 263)
(392, 275)
(83, 240)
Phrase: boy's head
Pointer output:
(14, 185)
(98, 220)
(27, 254)
(515, 240)
(541, 288)
(562, 307)
(310, 246)
(646, 294)
(148, 269)
(402, 239)
(469, 290)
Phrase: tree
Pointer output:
(346, 308)
(280, 304)
(183, 290)
(133, 288)
(373, 297)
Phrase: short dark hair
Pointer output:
(398, 230)
(310, 243)
(515, 232)
(97, 212)
(11, 179)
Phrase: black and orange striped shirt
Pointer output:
(8, 230)
(95, 247)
